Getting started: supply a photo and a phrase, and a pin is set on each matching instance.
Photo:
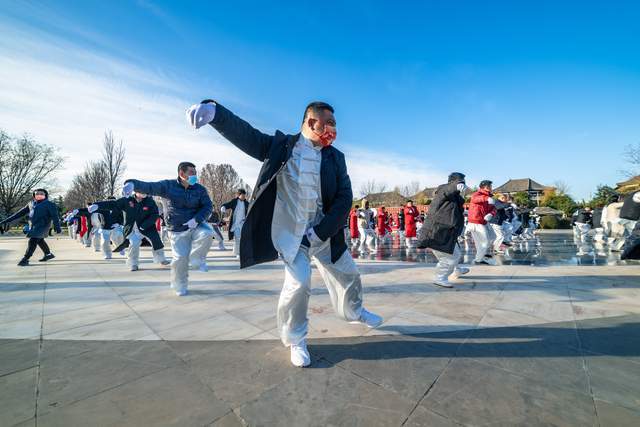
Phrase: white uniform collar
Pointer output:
(307, 142)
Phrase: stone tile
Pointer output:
(471, 392)
(616, 416)
(125, 328)
(171, 397)
(425, 417)
(84, 317)
(241, 371)
(615, 380)
(18, 396)
(22, 329)
(615, 336)
(405, 367)
(64, 380)
(221, 327)
(326, 395)
(16, 355)
(229, 420)
(176, 315)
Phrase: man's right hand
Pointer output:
(199, 115)
(92, 208)
(127, 189)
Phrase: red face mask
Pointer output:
(328, 136)
(39, 197)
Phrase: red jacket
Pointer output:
(353, 224)
(479, 207)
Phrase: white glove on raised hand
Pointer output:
(491, 201)
(223, 210)
(461, 187)
(114, 226)
(92, 208)
(488, 217)
(75, 212)
(199, 115)
(312, 236)
(192, 223)
(127, 189)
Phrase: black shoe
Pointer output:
(47, 257)
(23, 262)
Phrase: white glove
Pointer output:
(116, 225)
(461, 187)
(491, 201)
(192, 223)
(312, 236)
(636, 197)
(488, 217)
(127, 189)
(223, 210)
(75, 212)
(199, 115)
(92, 208)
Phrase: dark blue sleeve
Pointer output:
(241, 134)
(22, 212)
(159, 188)
(206, 207)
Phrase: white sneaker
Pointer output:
(459, 271)
(300, 355)
(442, 283)
(181, 293)
(368, 319)
(203, 267)
(237, 256)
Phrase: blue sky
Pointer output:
(498, 90)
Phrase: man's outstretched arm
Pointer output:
(159, 188)
(240, 133)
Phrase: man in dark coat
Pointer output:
(108, 228)
(140, 215)
(42, 212)
(442, 227)
(298, 209)
(187, 207)
(239, 207)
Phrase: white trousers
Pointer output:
(582, 230)
(342, 280)
(236, 242)
(106, 237)
(217, 235)
(188, 245)
(367, 239)
(498, 231)
(73, 230)
(133, 252)
(507, 230)
(481, 239)
(447, 263)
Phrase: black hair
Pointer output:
(184, 166)
(485, 183)
(456, 177)
(242, 191)
(316, 107)
(409, 201)
(46, 193)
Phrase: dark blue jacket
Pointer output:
(181, 204)
(41, 215)
(274, 151)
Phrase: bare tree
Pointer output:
(221, 181)
(24, 165)
(562, 188)
(91, 185)
(371, 187)
(411, 189)
(113, 158)
(631, 155)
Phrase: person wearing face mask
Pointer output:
(239, 207)
(442, 227)
(42, 213)
(298, 210)
(482, 210)
(187, 207)
(140, 215)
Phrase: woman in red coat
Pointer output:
(353, 223)
(381, 228)
(410, 216)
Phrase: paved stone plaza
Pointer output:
(86, 342)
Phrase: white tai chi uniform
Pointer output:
(238, 220)
(447, 263)
(189, 245)
(367, 234)
(133, 253)
(482, 237)
(298, 207)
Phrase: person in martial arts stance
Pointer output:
(366, 219)
(107, 224)
(140, 215)
(299, 209)
(239, 206)
(410, 227)
(481, 211)
(442, 227)
(42, 213)
(214, 221)
(187, 207)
